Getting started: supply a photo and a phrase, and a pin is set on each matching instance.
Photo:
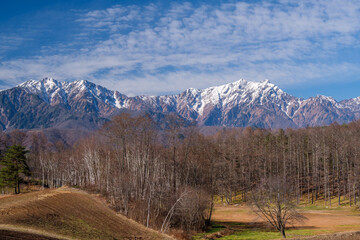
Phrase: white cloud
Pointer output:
(150, 50)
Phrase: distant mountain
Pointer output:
(236, 104)
(50, 103)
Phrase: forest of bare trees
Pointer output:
(169, 178)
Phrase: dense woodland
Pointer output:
(168, 177)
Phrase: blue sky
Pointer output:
(159, 47)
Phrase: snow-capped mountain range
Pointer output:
(49, 103)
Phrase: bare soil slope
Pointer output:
(68, 213)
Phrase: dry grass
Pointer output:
(243, 223)
(338, 236)
(338, 221)
(69, 213)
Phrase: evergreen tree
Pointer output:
(13, 166)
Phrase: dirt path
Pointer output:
(5, 196)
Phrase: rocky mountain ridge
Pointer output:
(49, 103)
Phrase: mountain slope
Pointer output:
(19, 109)
(260, 104)
(77, 96)
(322, 110)
(69, 213)
(49, 103)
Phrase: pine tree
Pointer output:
(13, 167)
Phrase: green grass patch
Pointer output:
(257, 234)
(231, 210)
(237, 198)
(321, 204)
(253, 234)
(213, 229)
(238, 224)
(349, 226)
(215, 225)
(318, 207)
(242, 231)
(306, 232)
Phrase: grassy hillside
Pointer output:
(68, 213)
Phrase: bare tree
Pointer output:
(273, 201)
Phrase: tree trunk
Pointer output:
(282, 230)
(208, 222)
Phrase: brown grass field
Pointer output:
(66, 213)
(335, 223)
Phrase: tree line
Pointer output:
(169, 177)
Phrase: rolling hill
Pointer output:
(66, 213)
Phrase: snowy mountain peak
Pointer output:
(240, 103)
(244, 90)
(237, 84)
(83, 83)
(55, 92)
(324, 99)
(48, 79)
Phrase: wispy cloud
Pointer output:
(152, 50)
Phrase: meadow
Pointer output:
(238, 221)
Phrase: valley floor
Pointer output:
(240, 222)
